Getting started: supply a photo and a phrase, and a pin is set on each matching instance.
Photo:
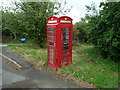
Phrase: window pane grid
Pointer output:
(51, 29)
(66, 29)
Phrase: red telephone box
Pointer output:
(59, 41)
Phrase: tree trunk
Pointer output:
(15, 37)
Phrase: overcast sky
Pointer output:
(78, 9)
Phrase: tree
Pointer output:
(28, 19)
(103, 30)
(79, 33)
(11, 24)
(35, 16)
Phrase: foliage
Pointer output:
(103, 29)
(75, 35)
(79, 31)
(28, 19)
(10, 23)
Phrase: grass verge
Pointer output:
(17, 41)
(87, 65)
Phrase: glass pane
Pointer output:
(52, 48)
(66, 34)
(66, 52)
(51, 61)
(52, 57)
(51, 38)
(51, 52)
(65, 48)
(65, 62)
(65, 43)
(65, 57)
(50, 34)
(65, 38)
(51, 43)
(65, 29)
(50, 29)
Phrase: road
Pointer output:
(30, 77)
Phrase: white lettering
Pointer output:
(54, 21)
(62, 21)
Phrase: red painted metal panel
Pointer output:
(59, 41)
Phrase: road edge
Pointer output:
(11, 60)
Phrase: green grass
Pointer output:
(91, 67)
(88, 65)
(14, 41)
(18, 41)
(0, 40)
(35, 54)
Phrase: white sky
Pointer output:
(78, 9)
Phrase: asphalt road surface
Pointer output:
(30, 77)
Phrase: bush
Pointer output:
(104, 30)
